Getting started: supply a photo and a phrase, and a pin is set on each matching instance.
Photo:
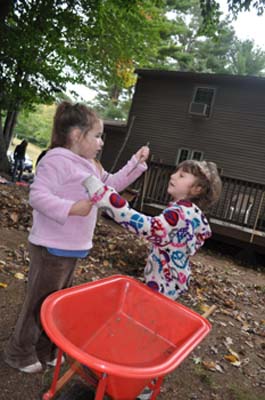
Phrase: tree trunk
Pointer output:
(10, 123)
(6, 135)
(4, 163)
(115, 94)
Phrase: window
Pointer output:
(202, 101)
(197, 155)
(183, 154)
(188, 154)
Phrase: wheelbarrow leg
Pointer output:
(101, 387)
(49, 395)
(156, 388)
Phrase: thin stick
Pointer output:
(145, 183)
(122, 148)
(67, 376)
(209, 311)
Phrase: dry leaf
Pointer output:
(204, 307)
(246, 327)
(14, 216)
(219, 368)
(214, 349)
(228, 341)
(19, 275)
(212, 366)
(3, 285)
(233, 359)
(209, 365)
(199, 292)
(251, 345)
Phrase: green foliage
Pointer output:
(184, 46)
(235, 6)
(210, 11)
(246, 58)
(109, 110)
(128, 38)
(46, 44)
(36, 126)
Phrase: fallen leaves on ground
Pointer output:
(238, 336)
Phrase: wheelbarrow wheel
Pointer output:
(78, 391)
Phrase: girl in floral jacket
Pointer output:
(178, 232)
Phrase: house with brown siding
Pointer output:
(221, 118)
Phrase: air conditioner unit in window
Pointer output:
(198, 109)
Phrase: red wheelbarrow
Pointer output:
(126, 334)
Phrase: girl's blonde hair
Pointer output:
(69, 116)
(208, 179)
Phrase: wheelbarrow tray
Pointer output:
(121, 328)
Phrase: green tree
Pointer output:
(190, 49)
(182, 46)
(36, 126)
(210, 11)
(187, 48)
(246, 59)
(48, 43)
(115, 92)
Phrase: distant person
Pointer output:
(63, 226)
(19, 160)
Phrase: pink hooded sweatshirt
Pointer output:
(57, 186)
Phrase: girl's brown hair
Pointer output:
(208, 180)
(69, 116)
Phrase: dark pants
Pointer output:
(19, 165)
(47, 274)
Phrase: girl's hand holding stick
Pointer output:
(142, 157)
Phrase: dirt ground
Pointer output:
(228, 365)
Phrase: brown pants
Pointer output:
(47, 274)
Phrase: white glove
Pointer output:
(93, 185)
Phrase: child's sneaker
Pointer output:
(32, 368)
(145, 394)
(53, 362)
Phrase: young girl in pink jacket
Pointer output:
(63, 223)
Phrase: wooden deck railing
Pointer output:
(242, 203)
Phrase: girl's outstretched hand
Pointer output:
(142, 154)
(81, 208)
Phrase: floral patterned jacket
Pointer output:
(175, 235)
